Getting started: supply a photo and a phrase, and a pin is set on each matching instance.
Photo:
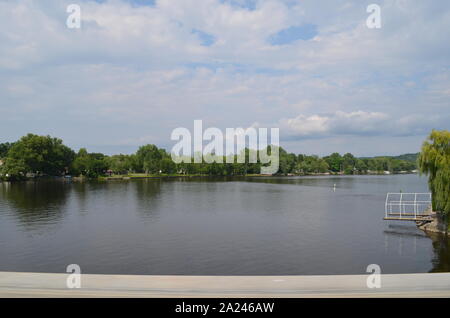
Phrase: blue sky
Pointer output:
(294, 33)
(138, 69)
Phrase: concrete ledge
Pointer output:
(13, 284)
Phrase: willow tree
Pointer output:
(434, 161)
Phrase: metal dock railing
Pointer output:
(408, 206)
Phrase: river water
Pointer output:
(214, 226)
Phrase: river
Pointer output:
(214, 226)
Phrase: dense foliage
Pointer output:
(44, 155)
(434, 161)
(4, 148)
(40, 155)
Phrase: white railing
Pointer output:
(407, 205)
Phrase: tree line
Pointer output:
(34, 155)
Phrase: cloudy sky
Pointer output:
(136, 70)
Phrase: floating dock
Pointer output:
(408, 207)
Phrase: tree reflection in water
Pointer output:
(441, 247)
(35, 203)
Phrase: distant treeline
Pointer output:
(35, 155)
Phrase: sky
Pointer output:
(135, 70)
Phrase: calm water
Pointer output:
(240, 226)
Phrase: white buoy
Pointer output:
(334, 188)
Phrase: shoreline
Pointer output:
(438, 226)
(143, 176)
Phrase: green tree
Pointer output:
(311, 164)
(91, 165)
(13, 170)
(4, 148)
(434, 161)
(168, 166)
(40, 154)
(360, 166)
(376, 164)
(322, 166)
(121, 164)
(149, 158)
(288, 161)
(334, 161)
(348, 163)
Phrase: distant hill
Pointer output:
(408, 157)
(411, 157)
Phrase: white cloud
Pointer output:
(360, 123)
(141, 68)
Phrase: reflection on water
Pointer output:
(35, 203)
(404, 231)
(147, 194)
(205, 226)
(401, 235)
(441, 259)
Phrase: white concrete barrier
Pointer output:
(13, 284)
